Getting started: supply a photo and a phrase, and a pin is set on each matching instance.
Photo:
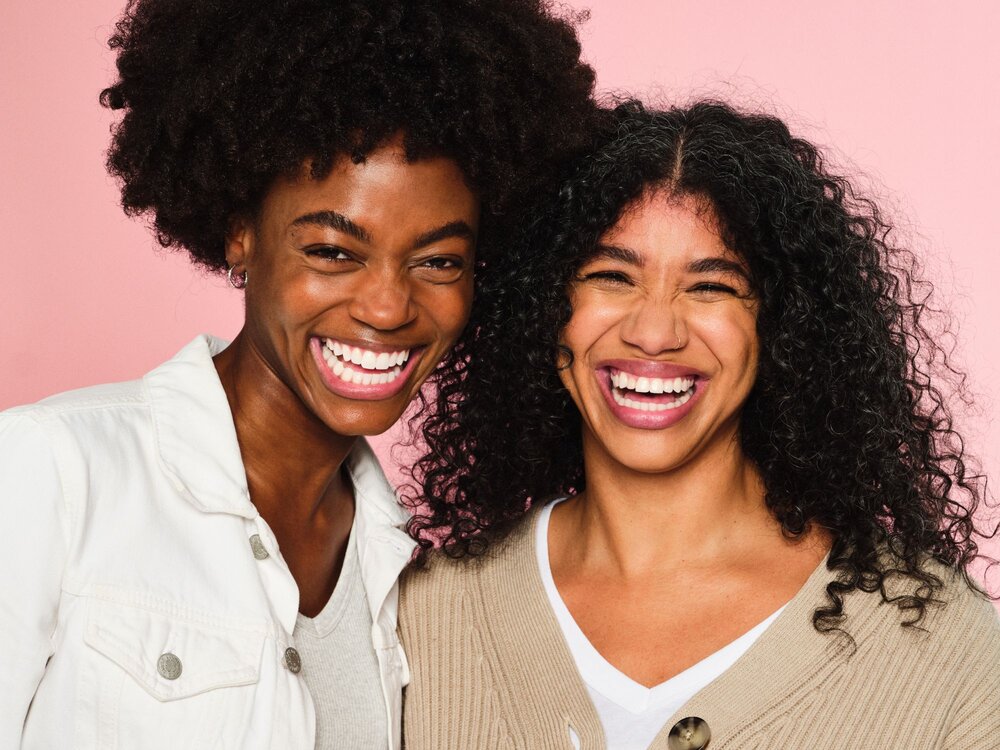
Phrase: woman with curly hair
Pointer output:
(208, 556)
(710, 375)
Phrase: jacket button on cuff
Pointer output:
(259, 550)
(293, 662)
(691, 733)
(169, 667)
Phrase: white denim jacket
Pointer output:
(134, 612)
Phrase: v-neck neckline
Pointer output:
(607, 679)
(762, 675)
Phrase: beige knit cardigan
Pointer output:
(490, 669)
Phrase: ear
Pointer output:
(240, 241)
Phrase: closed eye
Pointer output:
(710, 287)
(607, 277)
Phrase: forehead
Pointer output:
(384, 190)
(663, 227)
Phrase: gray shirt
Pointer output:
(340, 667)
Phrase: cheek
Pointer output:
(449, 308)
(732, 336)
(592, 318)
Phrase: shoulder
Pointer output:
(963, 615)
(72, 411)
(430, 592)
(77, 405)
(958, 632)
(55, 447)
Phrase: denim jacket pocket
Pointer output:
(173, 656)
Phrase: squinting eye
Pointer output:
(443, 264)
(328, 252)
(608, 277)
(710, 288)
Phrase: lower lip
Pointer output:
(647, 420)
(359, 391)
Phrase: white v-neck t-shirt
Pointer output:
(631, 714)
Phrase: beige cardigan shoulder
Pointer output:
(490, 669)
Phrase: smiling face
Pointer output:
(663, 337)
(359, 283)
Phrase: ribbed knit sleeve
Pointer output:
(976, 723)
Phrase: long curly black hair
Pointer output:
(848, 420)
(220, 97)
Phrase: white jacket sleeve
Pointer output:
(32, 557)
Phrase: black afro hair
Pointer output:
(220, 97)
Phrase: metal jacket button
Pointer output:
(292, 660)
(169, 666)
(691, 733)
(259, 550)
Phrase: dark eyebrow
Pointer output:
(616, 252)
(451, 229)
(337, 221)
(718, 265)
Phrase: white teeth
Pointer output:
(624, 381)
(649, 405)
(355, 375)
(366, 359)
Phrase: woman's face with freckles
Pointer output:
(359, 283)
(663, 336)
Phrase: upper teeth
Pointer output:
(625, 381)
(366, 358)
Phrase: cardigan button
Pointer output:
(691, 733)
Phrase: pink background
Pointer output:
(907, 93)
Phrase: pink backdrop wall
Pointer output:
(905, 92)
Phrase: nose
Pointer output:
(383, 300)
(655, 325)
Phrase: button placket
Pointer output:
(292, 660)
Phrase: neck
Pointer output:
(705, 512)
(292, 460)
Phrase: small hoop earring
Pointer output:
(237, 281)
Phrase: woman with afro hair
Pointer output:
(208, 556)
(710, 376)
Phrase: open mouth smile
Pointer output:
(362, 372)
(649, 395)
(626, 390)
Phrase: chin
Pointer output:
(647, 461)
(359, 419)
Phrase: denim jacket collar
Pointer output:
(194, 431)
(200, 454)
